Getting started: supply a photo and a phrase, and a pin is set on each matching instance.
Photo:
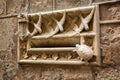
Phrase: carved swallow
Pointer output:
(37, 26)
(85, 21)
(59, 26)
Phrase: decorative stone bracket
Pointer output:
(69, 37)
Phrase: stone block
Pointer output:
(96, 1)
(110, 39)
(40, 5)
(70, 3)
(1, 70)
(2, 7)
(66, 73)
(110, 11)
(5, 55)
(15, 6)
(8, 28)
(107, 73)
(10, 70)
(81, 73)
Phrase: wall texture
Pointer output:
(109, 34)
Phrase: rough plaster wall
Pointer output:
(11, 70)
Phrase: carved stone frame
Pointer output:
(24, 42)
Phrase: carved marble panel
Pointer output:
(69, 37)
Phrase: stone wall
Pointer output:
(109, 34)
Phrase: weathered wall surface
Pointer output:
(110, 44)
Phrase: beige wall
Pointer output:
(110, 43)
